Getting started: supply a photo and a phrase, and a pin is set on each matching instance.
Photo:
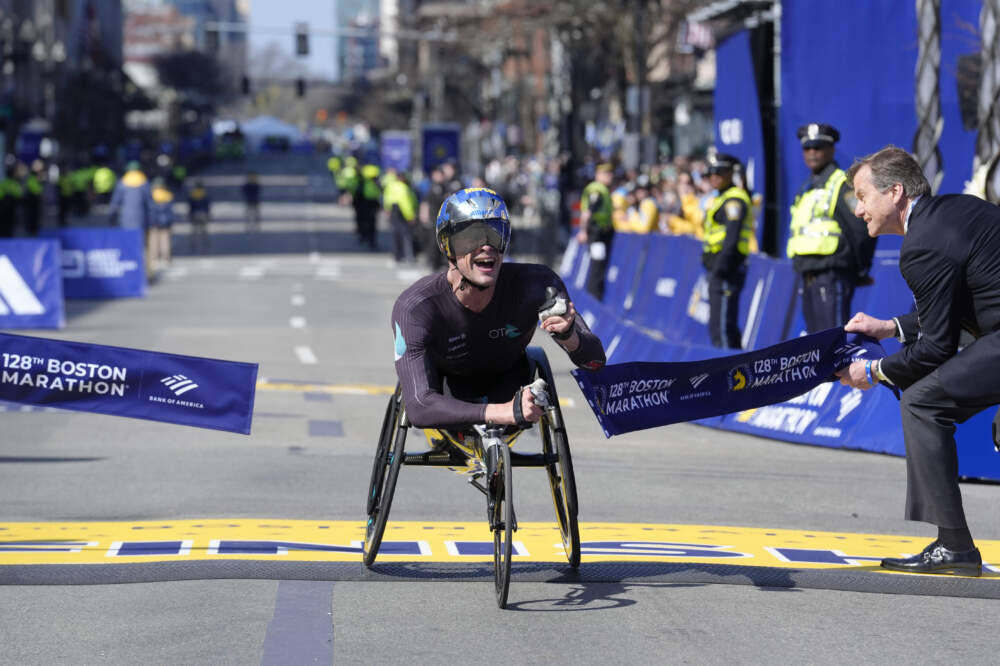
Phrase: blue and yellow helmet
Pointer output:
(471, 218)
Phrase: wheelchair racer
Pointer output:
(460, 335)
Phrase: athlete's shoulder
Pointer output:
(422, 292)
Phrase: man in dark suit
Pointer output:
(950, 259)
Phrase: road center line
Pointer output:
(301, 630)
(298, 300)
(297, 322)
(306, 355)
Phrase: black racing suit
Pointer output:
(481, 355)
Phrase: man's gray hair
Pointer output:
(893, 165)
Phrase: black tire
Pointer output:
(384, 476)
(382, 452)
(562, 482)
(503, 530)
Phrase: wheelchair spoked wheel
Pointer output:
(385, 471)
(503, 526)
(562, 482)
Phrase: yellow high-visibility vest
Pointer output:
(715, 232)
(814, 229)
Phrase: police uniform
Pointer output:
(596, 198)
(728, 231)
(829, 247)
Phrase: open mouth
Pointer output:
(485, 263)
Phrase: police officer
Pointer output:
(728, 231)
(596, 226)
(367, 200)
(829, 247)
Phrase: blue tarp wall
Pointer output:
(852, 64)
(655, 308)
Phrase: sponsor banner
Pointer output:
(396, 149)
(31, 289)
(100, 262)
(634, 396)
(440, 144)
(117, 381)
(831, 415)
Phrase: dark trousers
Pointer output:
(929, 416)
(598, 267)
(724, 309)
(366, 226)
(826, 299)
(402, 238)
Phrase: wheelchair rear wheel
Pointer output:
(385, 471)
(562, 482)
(503, 526)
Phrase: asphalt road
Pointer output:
(301, 300)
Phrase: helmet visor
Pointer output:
(479, 233)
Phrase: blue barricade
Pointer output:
(101, 262)
(628, 253)
(31, 289)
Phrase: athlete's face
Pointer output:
(481, 267)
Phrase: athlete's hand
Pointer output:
(879, 329)
(530, 408)
(559, 324)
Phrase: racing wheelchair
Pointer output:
(473, 446)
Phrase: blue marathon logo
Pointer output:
(15, 295)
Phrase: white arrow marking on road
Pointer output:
(306, 355)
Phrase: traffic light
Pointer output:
(245, 85)
(302, 39)
(300, 87)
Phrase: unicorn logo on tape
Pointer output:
(15, 294)
(179, 384)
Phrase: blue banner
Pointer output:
(738, 127)
(117, 381)
(31, 289)
(397, 150)
(635, 396)
(440, 144)
(100, 262)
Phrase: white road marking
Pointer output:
(306, 355)
(251, 272)
(298, 300)
(297, 322)
(328, 272)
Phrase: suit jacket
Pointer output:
(950, 258)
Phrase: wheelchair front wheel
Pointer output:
(385, 471)
(503, 526)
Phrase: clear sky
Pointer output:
(266, 16)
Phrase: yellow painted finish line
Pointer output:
(340, 541)
(265, 384)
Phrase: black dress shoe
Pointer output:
(935, 558)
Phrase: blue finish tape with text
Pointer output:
(186, 390)
(635, 396)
